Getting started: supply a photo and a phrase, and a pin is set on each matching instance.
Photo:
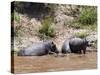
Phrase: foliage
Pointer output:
(15, 16)
(31, 8)
(47, 28)
(75, 25)
(18, 6)
(88, 16)
(81, 34)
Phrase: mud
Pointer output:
(47, 63)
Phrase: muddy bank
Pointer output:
(30, 64)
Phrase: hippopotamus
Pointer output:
(66, 47)
(39, 49)
(75, 45)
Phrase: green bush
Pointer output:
(15, 16)
(88, 16)
(17, 29)
(47, 28)
(81, 34)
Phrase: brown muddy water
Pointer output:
(47, 63)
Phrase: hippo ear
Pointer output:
(52, 43)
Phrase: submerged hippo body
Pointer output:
(39, 49)
(75, 45)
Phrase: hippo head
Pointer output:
(87, 43)
(54, 48)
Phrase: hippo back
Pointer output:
(37, 49)
(66, 47)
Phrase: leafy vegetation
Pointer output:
(87, 18)
(15, 16)
(81, 34)
(47, 30)
(30, 8)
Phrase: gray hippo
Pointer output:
(75, 45)
(39, 49)
(66, 47)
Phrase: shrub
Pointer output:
(47, 28)
(15, 16)
(88, 16)
(81, 34)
